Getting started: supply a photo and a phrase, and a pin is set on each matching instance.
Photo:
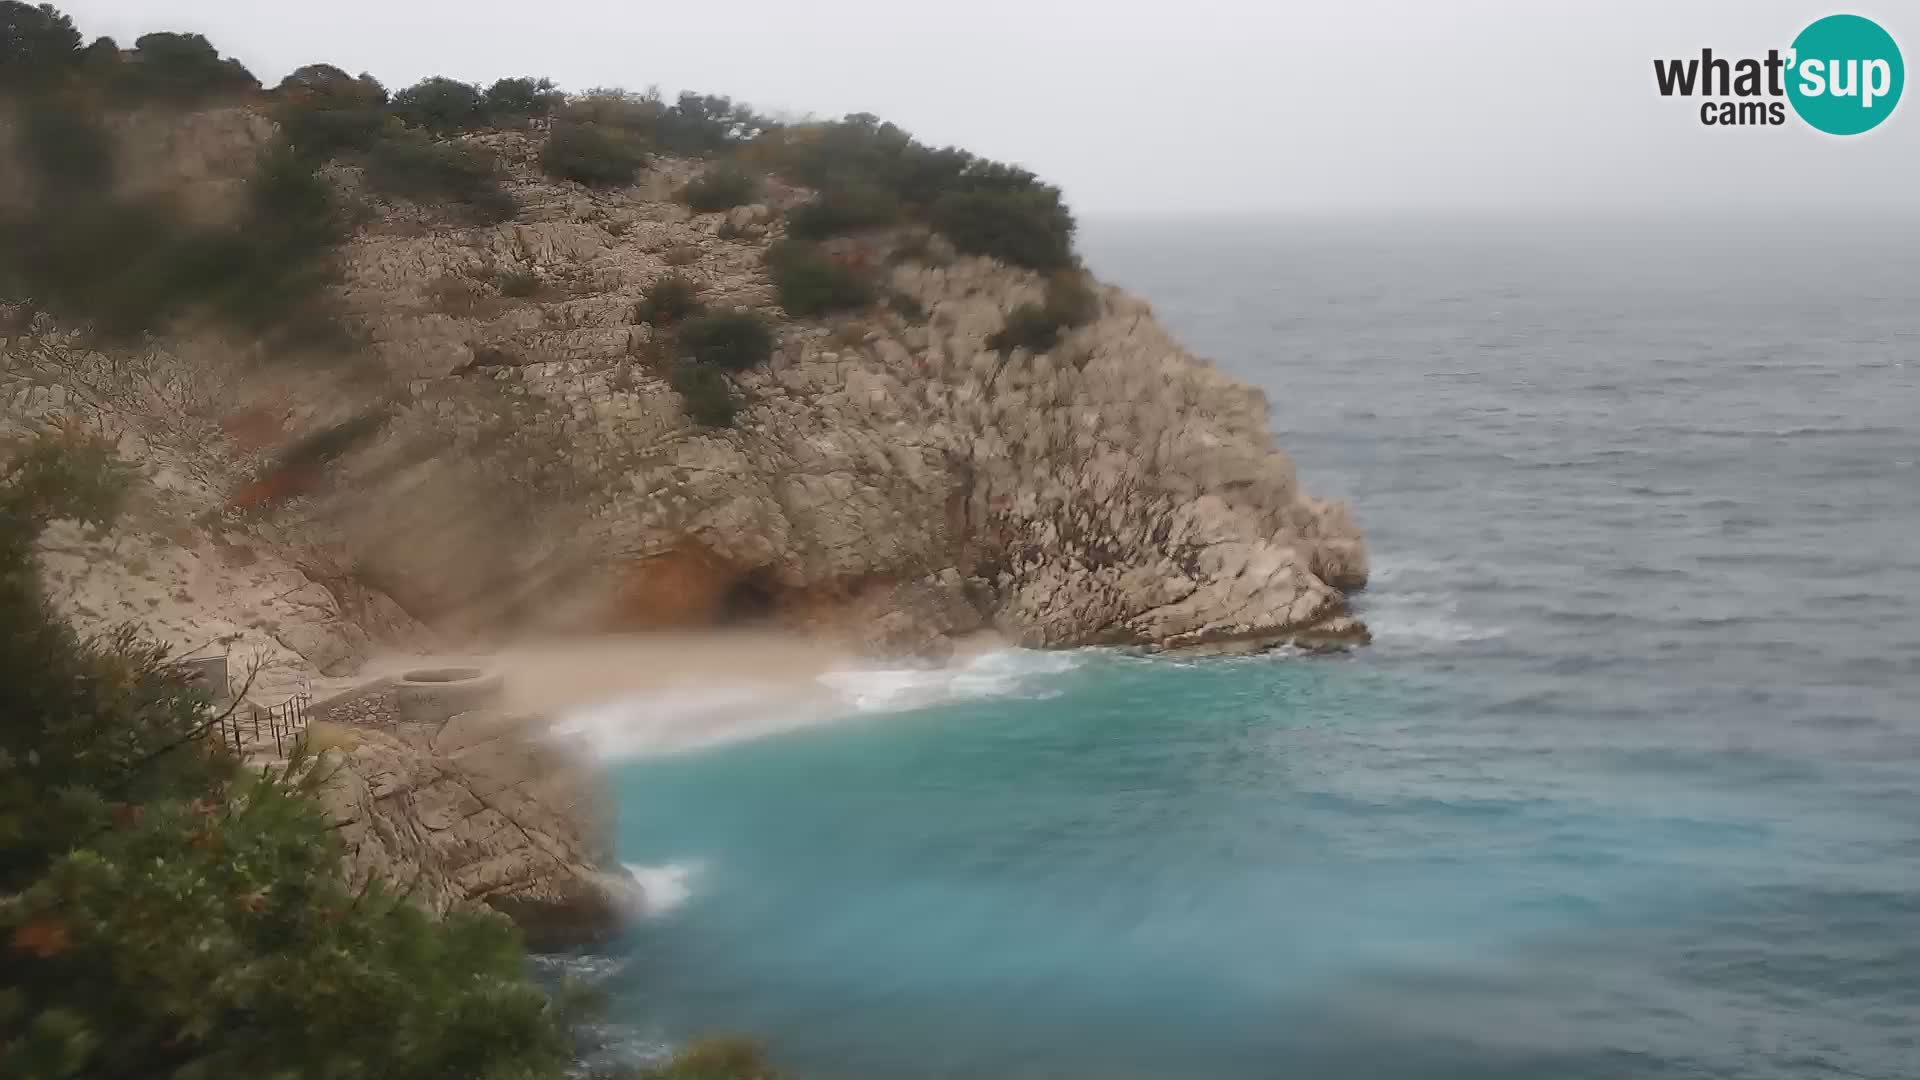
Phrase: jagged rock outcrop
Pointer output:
(475, 815)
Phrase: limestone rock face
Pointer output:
(1114, 490)
(524, 464)
(472, 815)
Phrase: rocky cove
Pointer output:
(508, 457)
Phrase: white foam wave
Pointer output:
(999, 673)
(680, 719)
(664, 888)
(1420, 619)
(668, 721)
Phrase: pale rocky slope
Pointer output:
(891, 480)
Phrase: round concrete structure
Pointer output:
(434, 695)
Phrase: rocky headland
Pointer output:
(507, 454)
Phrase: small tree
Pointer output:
(323, 112)
(440, 105)
(732, 340)
(181, 69)
(518, 99)
(592, 154)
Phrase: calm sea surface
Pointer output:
(1629, 786)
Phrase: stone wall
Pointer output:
(368, 705)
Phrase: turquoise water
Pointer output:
(1627, 787)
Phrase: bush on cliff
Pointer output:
(324, 113)
(509, 100)
(1037, 327)
(721, 187)
(411, 166)
(1026, 228)
(440, 106)
(179, 69)
(166, 913)
(811, 282)
(667, 301)
(81, 250)
(596, 155)
(985, 207)
(706, 394)
(844, 208)
(729, 340)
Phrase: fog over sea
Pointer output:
(1627, 787)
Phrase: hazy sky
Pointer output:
(1186, 106)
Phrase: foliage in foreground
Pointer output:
(165, 914)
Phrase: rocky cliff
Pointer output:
(501, 452)
(520, 461)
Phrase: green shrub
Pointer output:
(180, 69)
(732, 340)
(1037, 327)
(700, 124)
(519, 99)
(127, 267)
(1029, 326)
(440, 106)
(985, 207)
(323, 112)
(809, 282)
(841, 209)
(668, 300)
(169, 913)
(592, 154)
(721, 187)
(706, 394)
(411, 166)
(1070, 299)
(1026, 228)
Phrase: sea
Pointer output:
(1626, 787)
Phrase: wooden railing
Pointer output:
(252, 725)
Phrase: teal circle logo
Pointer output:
(1845, 75)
